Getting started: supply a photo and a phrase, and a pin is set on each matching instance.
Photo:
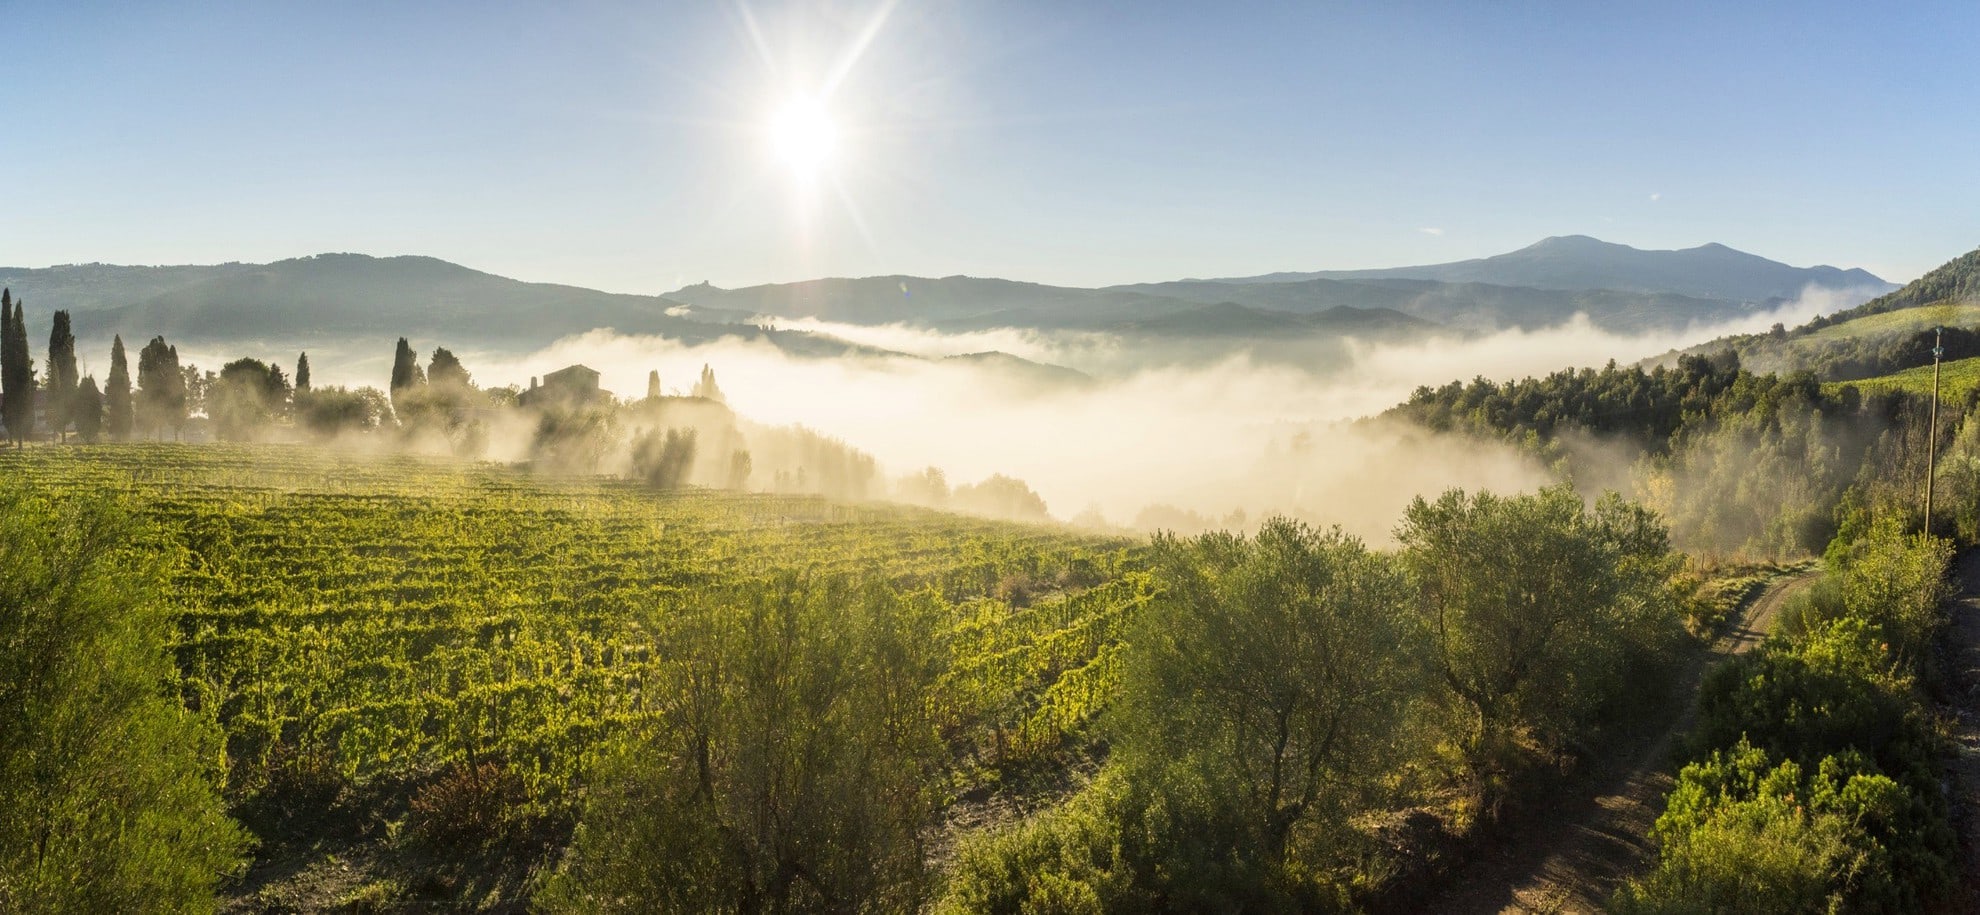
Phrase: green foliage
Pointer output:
(1869, 831)
(16, 371)
(1742, 835)
(367, 628)
(1540, 613)
(1958, 378)
(1264, 686)
(1896, 581)
(60, 389)
(789, 766)
(161, 396)
(1647, 407)
(117, 407)
(444, 370)
(330, 412)
(1956, 280)
(1081, 857)
(248, 395)
(1836, 690)
(108, 798)
(88, 409)
(406, 373)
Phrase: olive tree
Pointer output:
(790, 767)
(1537, 610)
(1262, 693)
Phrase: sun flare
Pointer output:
(803, 136)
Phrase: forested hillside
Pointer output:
(1767, 465)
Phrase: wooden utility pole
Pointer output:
(1932, 427)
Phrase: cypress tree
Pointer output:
(405, 372)
(17, 378)
(302, 373)
(653, 385)
(117, 392)
(7, 360)
(61, 375)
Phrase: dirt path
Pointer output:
(1570, 854)
(1963, 661)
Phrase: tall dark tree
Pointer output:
(7, 357)
(117, 392)
(161, 397)
(87, 409)
(653, 385)
(16, 373)
(59, 406)
(446, 371)
(302, 373)
(405, 373)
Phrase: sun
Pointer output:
(803, 136)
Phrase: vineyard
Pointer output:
(386, 619)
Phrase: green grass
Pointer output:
(1956, 379)
(1898, 323)
(370, 622)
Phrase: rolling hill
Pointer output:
(327, 297)
(314, 301)
(1618, 287)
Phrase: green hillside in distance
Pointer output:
(1884, 335)
(1957, 280)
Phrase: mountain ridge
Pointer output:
(1711, 270)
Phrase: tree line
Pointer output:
(162, 398)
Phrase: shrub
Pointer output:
(108, 799)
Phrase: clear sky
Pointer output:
(630, 146)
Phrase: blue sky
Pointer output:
(622, 146)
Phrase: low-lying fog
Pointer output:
(1162, 431)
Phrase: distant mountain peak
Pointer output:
(1556, 242)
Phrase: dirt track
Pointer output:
(1569, 855)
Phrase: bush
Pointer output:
(1835, 691)
(1743, 834)
(108, 799)
(1067, 860)
(467, 806)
